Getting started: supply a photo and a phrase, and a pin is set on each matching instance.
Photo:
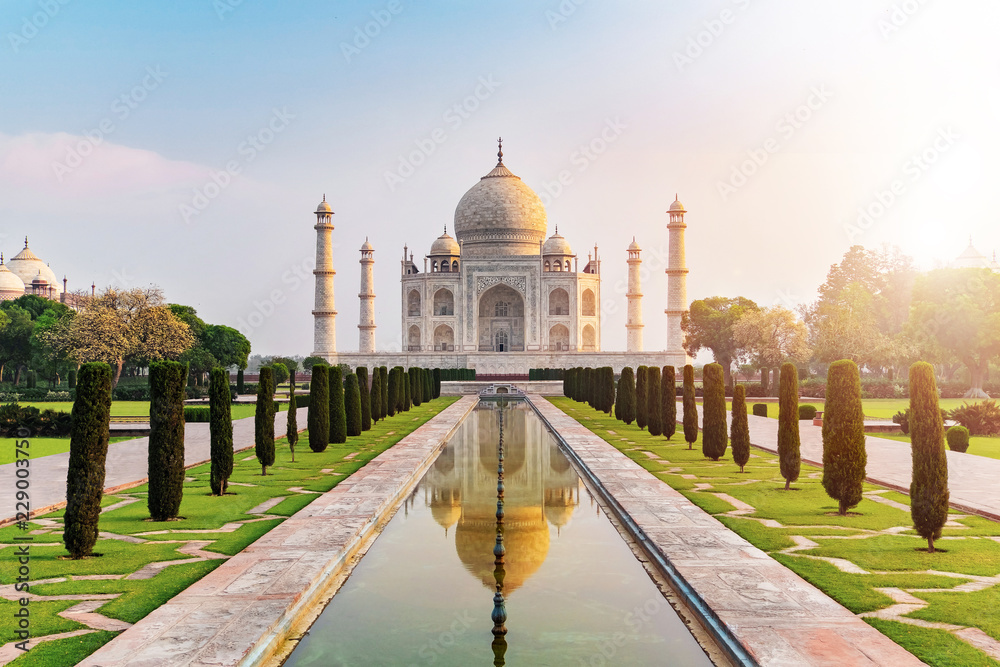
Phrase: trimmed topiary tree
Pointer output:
(263, 420)
(844, 455)
(788, 424)
(384, 383)
(958, 439)
(366, 398)
(240, 383)
(641, 416)
(437, 383)
(668, 401)
(406, 381)
(393, 391)
(609, 388)
(88, 451)
(625, 405)
(807, 412)
(759, 409)
(428, 385)
(653, 401)
(741, 427)
(220, 430)
(352, 405)
(319, 408)
(292, 425)
(714, 430)
(690, 407)
(929, 485)
(375, 396)
(167, 380)
(338, 415)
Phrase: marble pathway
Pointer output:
(778, 616)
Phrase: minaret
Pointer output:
(324, 314)
(366, 323)
(633, 324)
(677, 303)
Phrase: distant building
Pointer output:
(26, 273)
(973, 259)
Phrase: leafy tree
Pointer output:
(352, 405)
(166, 439)
(264, 419)
(281, 373)
(199, 361)
(366, 398)
(88, 450)
(653, 401)
(15, 340)
(220, 430)
(309, 362)
(319, 408)
(771, 336)
(227, 345)
(625, 405)
(709, 324)
(641, 416)
(292, 425)
(714, 436)
(690, 407)
(844, 454)
(929, 485)
(668, 394)
(189, 316)
(338, 415)
(741, 427)
(788, 424)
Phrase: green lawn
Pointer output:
(880, 537)
(201, 512)
(141, 408)
(879, 408)
(988, 446)
(39, 447)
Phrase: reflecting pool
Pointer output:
(573, 591)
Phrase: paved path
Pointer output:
(126, 464)
(973, 481)
(778, 616)
(240, 612)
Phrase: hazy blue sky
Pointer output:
(833, 104)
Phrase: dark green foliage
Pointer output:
(788, 424)
(72, 379)
(981, 418)
(366, 398)
(338, 413)
(653, 401)
(807, 412)
(903, 419)
(392, 400)
(32, 380)
(844, 455)
(740, 428)
(375, 396)
(406, 382)
(625, 405)
(280, 372)
(714, 430)
(641, 416)
(759, 409)
(292, 425)
(437, 383)
(668, 401)
(428, 385)
(690, 407)
(929, 486)
(240, 384)
(88, 450)
(416, 386)
(220, 430)
(352, 405)
(16, 418)
(318, 419)
(166, 439)
(385, 392)
(263, 420)
(607, 389)
(958, 439)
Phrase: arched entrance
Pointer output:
(444, 338)
(559, 337)
(501, 320)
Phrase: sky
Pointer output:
(186, 144)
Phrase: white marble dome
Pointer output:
(557, 245)
(26, 266)
(445, 245)
(11, 287)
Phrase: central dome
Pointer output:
(500, 215)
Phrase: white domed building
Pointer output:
(34, 275)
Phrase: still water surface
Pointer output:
(423, 594)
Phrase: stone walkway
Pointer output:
(778, 616)
(239, 613)
(972, 480)
(126, 464)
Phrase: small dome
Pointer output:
(11, 286)
(445, 245)
(26, 265)
(633, 246)
(677, 206)
(366, 246)
(971, 259)
(324, 206)
(556, 245)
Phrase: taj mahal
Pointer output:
(499, 296)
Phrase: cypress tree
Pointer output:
(626, 396)
(338, 414)
(437, 383)
(319, 408)
(653, 415)
(393, 393)
(844, 455)
(690, 407)
(220, 430)
(741, 427)
(88, 451)
(714, 430)
(385, 392)
(264, 419)
(668, 402)
(788, 424)
(641, 418)
(352, 405)
(376, 395)
(292, 425)
(406, 381)
(366, 398)
(414, 388)
(240, 384)
(609, 389)
(428, 385)
(166, 439)
(929, 485)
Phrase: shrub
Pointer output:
(807, 412)
(264, 420)
(72, 379)
(338, 414)
(690, 407)
(641, 416)
(929, 488)
(714, 430)
(220, 430)
(903, 419)
(653, 415)
(197, 414)
(981, 418)
(292, 423)
(844, 456)
(166, 439)
(318, 418)
(88, 450)
(789, 442)
(32, 380)
(366, 398)
(625, 403)
(280, 373)
(958, 439)
(759, 409)
(740, 428)
(668, 401)
(352, 405)
(240, 384)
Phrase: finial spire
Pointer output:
(557, 228)
(446, 229)
(499, 151)
(1, 257)
(26, 241)
(324, 196)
